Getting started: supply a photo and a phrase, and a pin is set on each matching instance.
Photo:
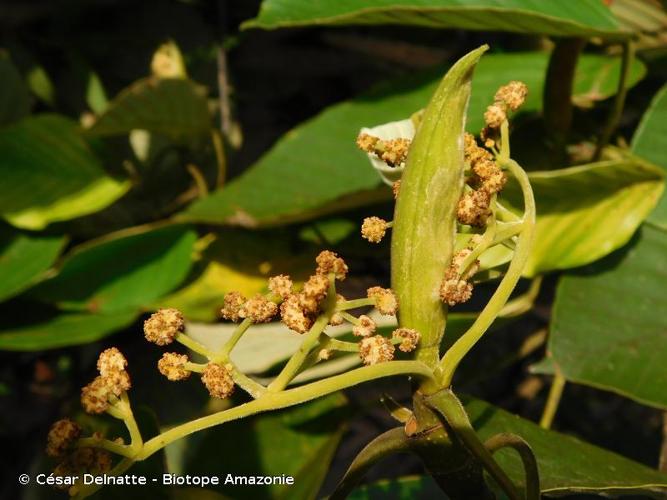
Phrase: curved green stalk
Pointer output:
(462, 346)
(449, 406)
(283, 399)
(424, 231)
(527, 456)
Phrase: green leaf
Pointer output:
(586, 212)
(64, 330)
(174, 107)
(567, 465)
(123, 272)
(649, 142)
(298, 442)
(585, 18)
(14, 95)
(608, 327)
(321, 153)
(24, 258)
(50, 174)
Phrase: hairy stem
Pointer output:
(462, 346)
(284, 399)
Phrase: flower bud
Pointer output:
(172, 366)
(409, 338)
(62, 436)
(163, 326)
(365, 328)
(218, 380)
(385, 300)
(377, 349)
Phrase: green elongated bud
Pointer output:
(425, 217)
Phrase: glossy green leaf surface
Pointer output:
(649, 143)
(24, 258)
(556, 17)
(63, 330)
(126, 272)
(567, 465)
(608, 327)
(299, 442)
(14, 96)
(174, 107)
(50, 174)
(321, 153)
(586, 212)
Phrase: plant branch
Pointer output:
(524, 450)
(284, 399)
(462, 346)
(449, 406)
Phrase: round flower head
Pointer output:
(513, 95)
(495, 115)
(365, 328)
(95, 396)
(232, 304)
(377, 349)
(259, 309)
(163, 326)
(329, 262)
(373, 229)
(409, 338)
(293, 315)
(316, 287)
(172, 366)
(385, 300)
(281, 285)
(218, 380)
(110, 362)
(455, 291)
(62, 436)
(473, 208)
(323, 354)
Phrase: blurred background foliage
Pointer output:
(164, 153)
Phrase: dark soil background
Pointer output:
(278, 80)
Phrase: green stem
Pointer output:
(283, 399)
(233, 340)
(553, 400)
(255, 389)
(136, 441)
(105, 444)
(349, 318)
(462, 346)
(353, 304)
(193, 345)
(292, 367)
(449, 406)
(619, 99)
(527, 456)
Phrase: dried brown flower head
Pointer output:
(232, 304)
(62, 436)
(409, 338)
(172, 366)
(385, 300)
(218, 380)
(163, 326)
(373, 229)
(377, 349)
